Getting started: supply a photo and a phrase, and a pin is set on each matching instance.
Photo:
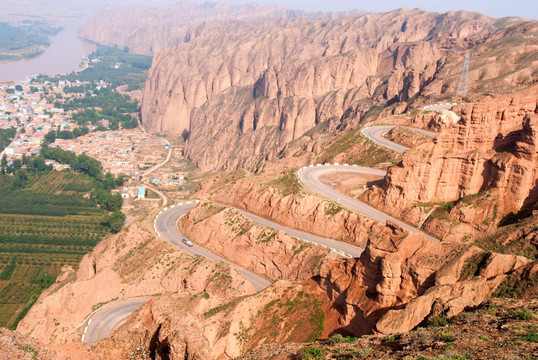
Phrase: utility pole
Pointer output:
(463, 86)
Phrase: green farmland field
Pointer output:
(49, 224)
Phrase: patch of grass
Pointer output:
(311, 352)
(218, 309)
(266, 236)
(360, 353)
(206, 295)
(392, 338)
(439, 321)
(29, 349)
(447, 336)
(339, 339)
(332, 208)
(530, 337)
(317, 318)
(470, 267)
(521, 314)
(287, 184)
(513, 286)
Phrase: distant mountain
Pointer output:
(148, 29)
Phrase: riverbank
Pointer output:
(64, 55)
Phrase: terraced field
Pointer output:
(50, 224)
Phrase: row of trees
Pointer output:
(101, 194)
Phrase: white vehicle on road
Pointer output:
(187, 242)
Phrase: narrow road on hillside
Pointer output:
(168, 156)
(376, 134)
(338, 247)
(310, 178)
(166, 226)
(105, 319)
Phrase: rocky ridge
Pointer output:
(488, 160)
(267, 252)
(273, 81)
(289, 206)
(400, 281)
(116, 262)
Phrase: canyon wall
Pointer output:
(242, 92)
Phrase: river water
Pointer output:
(62, 56)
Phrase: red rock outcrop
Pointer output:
(492, 151)
(402, 279)
(285, 312)
(267, 252)
(13, 345)
(132, 263)
(299, 211)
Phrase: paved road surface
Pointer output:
(375, 133)
(309, 177)
(337, 246)
(104, 321)
(167, 228)
(439, 107)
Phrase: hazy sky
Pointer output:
(494, 8)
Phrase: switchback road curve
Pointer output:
(166, 226)
(310, 179)
(375, 133)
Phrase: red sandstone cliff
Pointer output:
(489, 159)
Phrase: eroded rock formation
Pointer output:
(402, 279)
(489, 158)
(242, 92)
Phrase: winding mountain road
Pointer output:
(376, 134)
(310, 179)
(109, 317)
(166, 226)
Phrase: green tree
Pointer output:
(20, 179)
(116, 221)
(18, 87)
(50, 136)
(3, 164)
(17, 164)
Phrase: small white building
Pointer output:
(11, 150)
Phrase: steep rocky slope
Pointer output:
(116, 262)
(270, 253)
(242, 92)
(475, 172)
(474, 334)
(400, 281)
(282, 200)
(149, 29)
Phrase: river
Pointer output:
(62, 56)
